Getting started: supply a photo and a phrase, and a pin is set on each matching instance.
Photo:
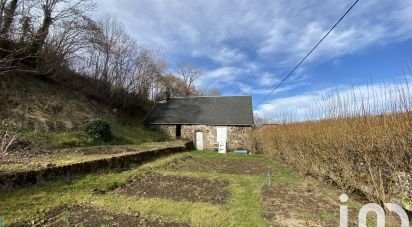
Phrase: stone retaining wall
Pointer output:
(19, 179)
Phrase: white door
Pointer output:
(199, 141)
(221, 138)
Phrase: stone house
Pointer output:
(209, 121)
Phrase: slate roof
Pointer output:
(204, 110)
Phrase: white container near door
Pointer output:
(221, 148)
(221, 138)
(199, 141)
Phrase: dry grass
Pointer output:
(52, 115)
(361, 145)
(7, 139)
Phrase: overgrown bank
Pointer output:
(369, 154)
(49, 114)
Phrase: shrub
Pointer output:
(7, 140)
(99, 130)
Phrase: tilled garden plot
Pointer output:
(220, 165)
(177, 188)
(82, 215)
(299, 206)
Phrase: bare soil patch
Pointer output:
(82, 215)
(300, 206)
(176, 188)
(220, 165)
(304, 205)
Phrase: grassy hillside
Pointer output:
(51, 116)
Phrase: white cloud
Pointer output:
(276, 27)
(259, 42)
(221, 77)
(227, 56)
(223, 55)
(268, 79)
(247, 89)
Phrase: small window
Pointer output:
(178, 131)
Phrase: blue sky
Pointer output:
(245, 47)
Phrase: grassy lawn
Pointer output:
(242, 208)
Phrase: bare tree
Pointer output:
(189, 74)
(54, 11)
(56, 37)
(109, 47)
(9, 11)
(10, 58)
(64, 44)
(115, 59)
(209, 91)
(171, 86)
(2, 8)
(26, 29)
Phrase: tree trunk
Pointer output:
(25, 28)
(2, 7)
(8, 18)
(40, 36)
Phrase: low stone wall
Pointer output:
(20, 179)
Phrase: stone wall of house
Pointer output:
(169, 130)
(209, 134)
(238, 136)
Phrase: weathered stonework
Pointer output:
(238, 136)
